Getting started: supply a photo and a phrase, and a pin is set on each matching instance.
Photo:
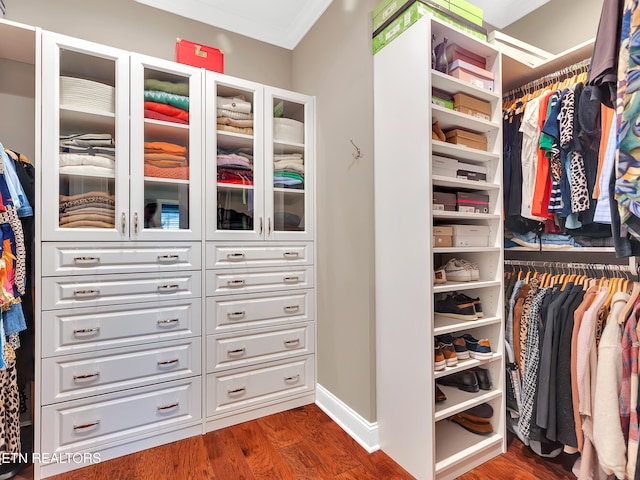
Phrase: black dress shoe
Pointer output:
(465, 380)
(484, 380)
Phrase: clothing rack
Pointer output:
(547, 80)
(606, 269)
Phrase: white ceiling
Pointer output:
(280, 22)
(285, 22)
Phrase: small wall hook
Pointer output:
(357, 153)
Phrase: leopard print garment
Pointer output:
(566, 119)
(524, 323)
(10, 407)
(579, 191)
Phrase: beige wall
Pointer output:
(129, 25)
(558, 25)
(334, 63)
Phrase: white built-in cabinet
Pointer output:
(413, 429)
(259, 268)
(153, 329)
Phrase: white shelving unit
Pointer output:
(413, 429)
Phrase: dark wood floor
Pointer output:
(303, 443)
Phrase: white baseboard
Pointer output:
(362, 431)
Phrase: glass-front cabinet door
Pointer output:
(166, 150)
(234, 181)
(289, 165)
(85, 140)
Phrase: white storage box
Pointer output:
(470, 235)
(288, 130)
(446, 167)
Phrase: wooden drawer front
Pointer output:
(221, 255)
(223, 282)
(83, 424)
(80, 330)
(76, 376)
(258, 310)
(96, 290)
(87, 258)
(224, 352)
(246, 387)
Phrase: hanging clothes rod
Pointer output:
(631, 267)
(548, 80)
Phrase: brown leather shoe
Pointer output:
(482, 413)
(440, 396)
(481, 428)
(435, 128)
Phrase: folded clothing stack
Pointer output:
(476, 419)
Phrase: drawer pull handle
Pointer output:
(170, 287)
(86, 376)
(292, 378)
(292, 308)
(86, 425)
(80, 332)
(235, 315)
(164, 363)
(235, 256)
(168, 258)
(236, 351)
(167, 322)
(290, 343)
(86, 293)
(123, 222)
(291, 279)
(86, 260)
(169, 406)
(236, 391)
(291, 255)
(235, 283)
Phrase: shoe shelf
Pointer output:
(462, 153)
(443, 214)
(451, 182)
(454, 286)
(466, 364)
(450, 119)
(445, 82)
(458, 401)
(464, 250)
(444, 325)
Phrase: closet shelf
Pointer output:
(450, 119)
(462, 153)
(442, 181)
(459, 400)
(74, 120)
(453, 286)
(453, 85)
(466, 364)
(234, 140)
(455, 444)
(464, 250)
(464, 216)
(569, 250)
(444, 325)
(167, 180)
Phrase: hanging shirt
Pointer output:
(529, 157)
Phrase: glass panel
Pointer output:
(166, 151)
(288, 166)
(87, 144)
(234, 159)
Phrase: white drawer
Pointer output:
(230, 351)
(88, 258)
(80, 330)
(246, 387)
(229, 255)
(258, 310)
(75, 376)
(96, 290)
(81, 425)
(223, 282)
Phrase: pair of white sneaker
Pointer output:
(461, 270)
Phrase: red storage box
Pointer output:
(197, 55)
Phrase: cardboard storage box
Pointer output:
(468, 139)
(198, 55)
(456, 52)
(392, 17)
(442, 236)
(472, 202)
(443, 102)
(469, 171)
(470, 235)
(463, 8)
(444, 201)
(471, 106)
(469, 73)
(446, 167)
